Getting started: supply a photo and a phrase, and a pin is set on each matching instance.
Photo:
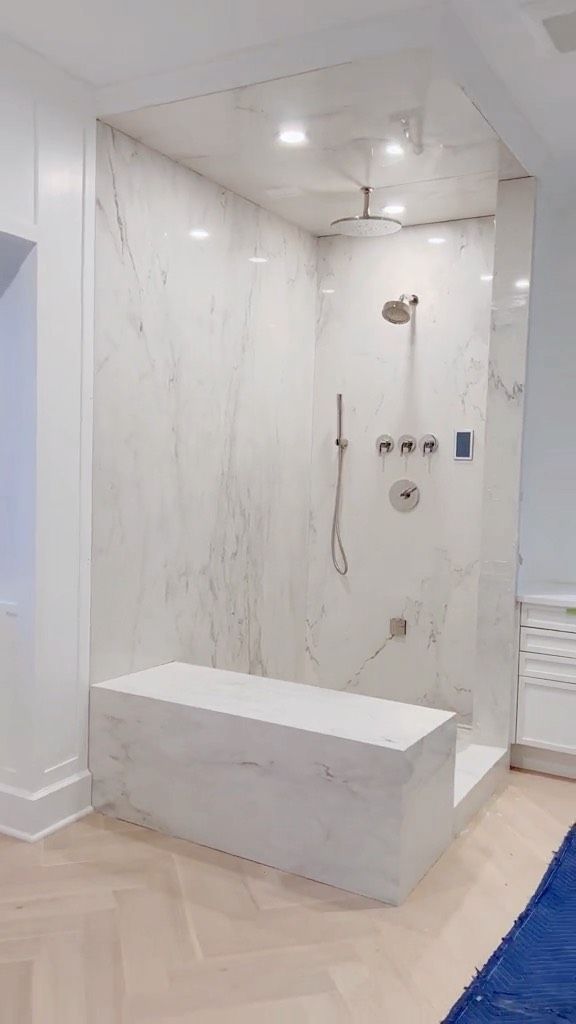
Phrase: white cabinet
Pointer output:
(550, 642)
(546, 716)
(544, 616)
(547, 666)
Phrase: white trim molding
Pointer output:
(47, 197)
(33, 815)
(549, 762)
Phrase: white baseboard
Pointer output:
(533, 759)
(31, 815)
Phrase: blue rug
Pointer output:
(531, 978)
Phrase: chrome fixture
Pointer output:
(411, 127)
(404, 495)
(384, 444)
(399, 311)
(428, 444)
(407, 444)
(338, 553)
(366, 224)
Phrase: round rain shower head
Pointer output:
(366, 227)
(398, 311)
(366, 224)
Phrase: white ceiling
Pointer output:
(117, 40)
(159, 52)
(540, 81)
(449, 169)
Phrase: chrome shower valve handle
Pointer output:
(384, 444)
(407, 444)
(428, 444)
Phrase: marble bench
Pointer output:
(345, 789)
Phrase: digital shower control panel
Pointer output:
(463, 445)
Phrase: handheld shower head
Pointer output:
(398, 311)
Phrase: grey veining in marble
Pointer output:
(431, 376)
(213, 483)
(203, 398)
(337, 787)
(495, 663)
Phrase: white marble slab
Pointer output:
(495, 658)
(429, 376)
(202, 422)
(349, 790)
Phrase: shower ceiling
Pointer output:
(395, 124)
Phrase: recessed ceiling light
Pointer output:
(394, 149)
(199, 233)
(394, 210)
(328, 291)
(293, 136)
(436, 240)
(487, 277)
(258, 259)
(523, 284)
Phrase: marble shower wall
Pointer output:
(496, 662)
(430, 377)
(203, 398)
(211, 533)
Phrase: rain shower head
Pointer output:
(398, 311)
(366, 224)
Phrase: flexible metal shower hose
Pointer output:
(338, 553)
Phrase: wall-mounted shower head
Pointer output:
(366, 224)
(399, 311)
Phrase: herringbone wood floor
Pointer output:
(106, 923)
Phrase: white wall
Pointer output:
(46, 197)
(429, 377)
(203, 396)
(17, 502)
(548, 509)
(18, 432)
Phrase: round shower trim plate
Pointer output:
(404, 495)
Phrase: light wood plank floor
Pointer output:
(106, 923)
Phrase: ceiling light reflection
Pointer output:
(293, 136)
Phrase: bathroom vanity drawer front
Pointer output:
(547, 715)
(548, 666)
(541, 616)
(548, 641)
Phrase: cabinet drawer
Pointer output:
(547, 715)
(547, 666)
(543, 616)
(548, 641)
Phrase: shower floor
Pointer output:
(480, 771)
